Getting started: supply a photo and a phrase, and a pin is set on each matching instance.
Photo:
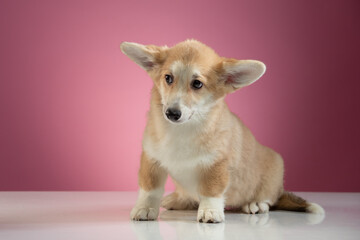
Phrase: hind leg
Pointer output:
(271, 183)
(175, 201)
(179, 200)
(256, 207)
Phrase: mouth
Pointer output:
(192, 113)
(180, 121)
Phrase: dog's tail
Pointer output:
(290, 202)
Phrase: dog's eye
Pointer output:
(169, 79)
(196, 84)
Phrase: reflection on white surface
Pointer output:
(259, 226)
(105, 215)
(146, 229)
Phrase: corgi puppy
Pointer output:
(213, 158)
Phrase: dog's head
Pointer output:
(191, 77)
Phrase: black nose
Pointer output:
(173, 114)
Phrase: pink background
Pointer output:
(73, 107)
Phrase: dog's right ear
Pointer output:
(147, 57)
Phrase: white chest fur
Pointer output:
(180, 154)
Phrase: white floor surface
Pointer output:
(105, 216)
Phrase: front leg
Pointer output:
(152, 179)
(213, 182)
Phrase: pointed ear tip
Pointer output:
(126, 47)
(259, 62)
(123, 45)
(262, 66)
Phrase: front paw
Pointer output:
(210, 215)
(142, 213)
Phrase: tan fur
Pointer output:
(213, 180)
(179, 200)
(290, 201)
(239, 169)
(151, 174)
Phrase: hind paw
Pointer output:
(170, 202)
(173, 202)
(256, 207)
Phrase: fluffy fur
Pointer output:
(210, 154)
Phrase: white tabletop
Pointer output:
(105, 215)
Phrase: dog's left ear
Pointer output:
(147, 57)
(236, 74)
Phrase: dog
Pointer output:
(212, 157)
